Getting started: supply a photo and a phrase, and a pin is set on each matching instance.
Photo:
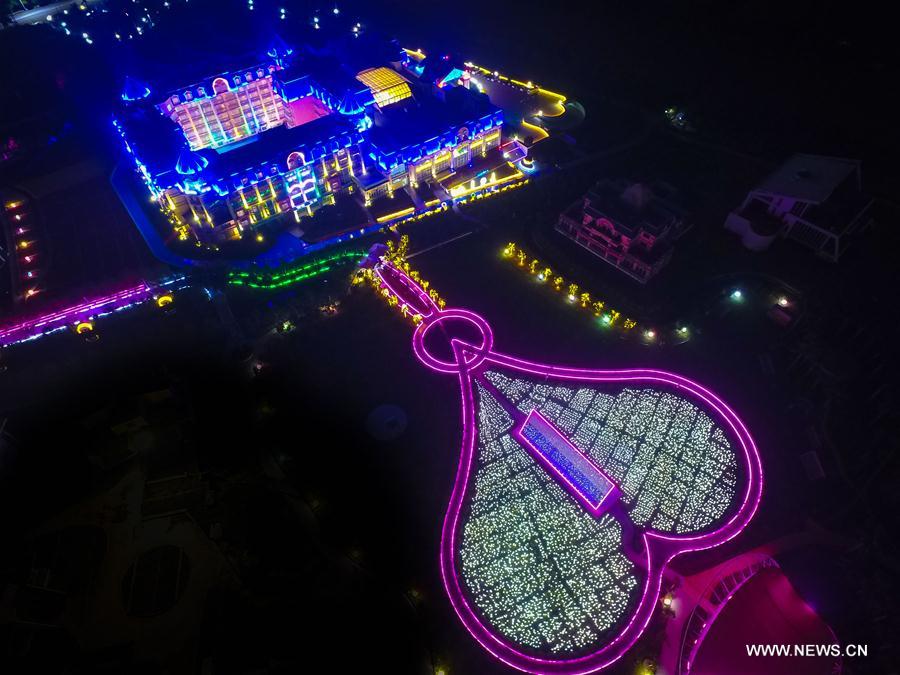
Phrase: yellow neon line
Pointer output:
(560, 98)
(272, 195)
(528, 125)
(547, 92)
(417, 54)
(559, 108)
(187, 112)
(397, 214)
(501, 181)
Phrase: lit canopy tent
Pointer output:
(349, 105)
(190, 163)
(387, 85)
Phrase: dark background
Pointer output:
(331, 555)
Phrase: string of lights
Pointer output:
(273, 280)
(676, 469)
(396, 255)
(545, 572)
(607, 316)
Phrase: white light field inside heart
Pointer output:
(540, 569)
(676, 468)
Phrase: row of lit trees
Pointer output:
(574, 293)
(396, 255)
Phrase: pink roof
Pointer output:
(765, 610)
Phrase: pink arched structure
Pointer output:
(470, 361)
(220, 85)
(295, 160)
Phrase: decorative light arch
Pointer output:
(220, 85)
(292, 160)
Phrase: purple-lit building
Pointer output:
(286, 135)
(631, 226)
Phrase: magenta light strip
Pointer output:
(716, 610)
(470, 362)
(57, 319)
(407, 290)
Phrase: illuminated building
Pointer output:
(285, 136)
(630, 226)
(817, 201)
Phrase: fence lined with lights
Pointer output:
(557, 101)
(276, 279)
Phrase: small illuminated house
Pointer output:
(231, 151)
(631, 226)
(814, 200)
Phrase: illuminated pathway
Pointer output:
(575, 488)
(87, 310)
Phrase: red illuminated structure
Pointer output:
(629, 225)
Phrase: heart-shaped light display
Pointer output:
(574, 490)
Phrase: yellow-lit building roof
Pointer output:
(386, 85)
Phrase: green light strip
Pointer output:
(273, 281)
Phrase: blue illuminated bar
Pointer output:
(578, 474)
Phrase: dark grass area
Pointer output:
(88, 238)
(304, 579)
(425, 192)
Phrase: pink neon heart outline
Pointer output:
(660, 548)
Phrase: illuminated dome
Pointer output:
(190, 162)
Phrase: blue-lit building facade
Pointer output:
(286, 135)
